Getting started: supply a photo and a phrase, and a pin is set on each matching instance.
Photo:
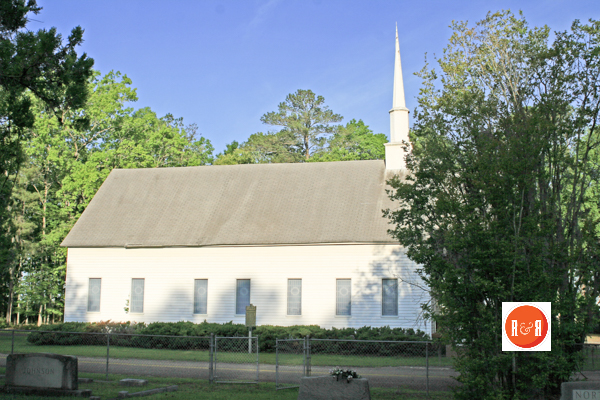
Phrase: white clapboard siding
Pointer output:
(169, 275)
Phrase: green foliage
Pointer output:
(37, 70)
(355, 141)
(305, 120)
(498, 205)
(262, 148)
(267, 333)
(65, 163)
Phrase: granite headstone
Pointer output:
(588, 390)
(42, 370)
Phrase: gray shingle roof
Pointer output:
(335, 202)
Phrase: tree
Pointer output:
(36, 63)
(262, 148)
(64, 164)
(33, 65)
(305, 118)
(355, 141)
(497, 205)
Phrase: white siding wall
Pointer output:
(170, 272)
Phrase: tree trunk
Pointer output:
(9, 307)
(39, 323)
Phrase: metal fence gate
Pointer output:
(292, 362)
(234, 360)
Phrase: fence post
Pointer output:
(427, 366)
(107, 352)
(308, 356)
(12, 347)
(276, 363)
(249, 340)
(210, 358)
(304, 357)
(257, 363)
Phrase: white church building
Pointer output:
(306, 243)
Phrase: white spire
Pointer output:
(398, 82)
(394, 154)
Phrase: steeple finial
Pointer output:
(398, 82)
(394, 154)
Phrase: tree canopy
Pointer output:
(306, 136)
(34, 67)
(304, 117)
(355, 141)
(63, 166)
(500, 203)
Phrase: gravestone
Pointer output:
(133, 382)
(589, 390)
(328, 388)
(41, 370)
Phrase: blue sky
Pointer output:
(223, 64)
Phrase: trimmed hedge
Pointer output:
(268, 333)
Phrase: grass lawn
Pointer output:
(22, 346)
(189, 389)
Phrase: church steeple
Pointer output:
(394, 154)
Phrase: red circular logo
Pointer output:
(526, 326)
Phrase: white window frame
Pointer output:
(383, 297)
(289, 290)
(131, 311)
(196, 298)
(338, 312)
(237, 294)
(90, 294)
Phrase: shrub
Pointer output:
(121, 335)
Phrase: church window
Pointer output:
(389, 299)
(294, 297)
(343, 301)
(94, 287)
(137, 296)
(200, 296)
(242, 296)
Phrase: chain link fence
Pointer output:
(406, 366)
(235, 360)
(137, 356)
(291, 362)
(403, 365)
(589, 362)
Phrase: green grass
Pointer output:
(22, 346)
(189, 389)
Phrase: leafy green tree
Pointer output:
(234, 154)
(497, 205)
(64, 165)
(304, 117)
(262, 148)
(33, 65)
(355, 141)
